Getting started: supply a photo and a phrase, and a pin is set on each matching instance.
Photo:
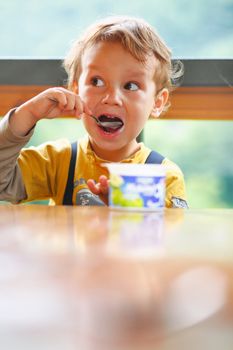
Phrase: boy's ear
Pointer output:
(160, 101)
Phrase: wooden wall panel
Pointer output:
(14, 95)
(202, 103)
(214, 103)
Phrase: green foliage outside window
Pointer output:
(192, 29)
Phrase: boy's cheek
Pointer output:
(88, 99)
(87, 122)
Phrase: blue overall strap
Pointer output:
(67, 199)
(154, 158)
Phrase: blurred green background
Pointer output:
(203, 150)
(197, 29)
(192, 29)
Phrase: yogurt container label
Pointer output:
(136, 186)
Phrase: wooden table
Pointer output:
(91, 278)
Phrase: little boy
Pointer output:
(119, 72)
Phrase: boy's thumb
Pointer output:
(87, 110)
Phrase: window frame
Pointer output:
(206, 91)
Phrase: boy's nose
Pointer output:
(112, 96)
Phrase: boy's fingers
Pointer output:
(99, 188)
(104, 184)
(58, 96)
(79, 106)
(69, 102)
(87, 110)
(70, 105)
(93, 187)
(66, 100)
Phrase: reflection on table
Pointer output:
(92, 278)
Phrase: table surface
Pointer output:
(93, 278)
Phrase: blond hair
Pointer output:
(137, 37)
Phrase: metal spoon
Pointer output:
(113, 125)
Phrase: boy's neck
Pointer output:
(116, 155)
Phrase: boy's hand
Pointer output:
(101, 188)
(51, 103)
(54, 102)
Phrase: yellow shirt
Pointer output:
(45, 171)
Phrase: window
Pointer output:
(193, 29)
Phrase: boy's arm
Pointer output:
(11, 183)
(49, 104)
(15, 132)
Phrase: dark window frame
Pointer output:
(206, 91)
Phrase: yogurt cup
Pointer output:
(136, 186)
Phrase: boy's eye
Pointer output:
(97, 81)
(131, 86)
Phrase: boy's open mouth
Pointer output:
(110, 124)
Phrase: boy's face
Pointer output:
(116, 87)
